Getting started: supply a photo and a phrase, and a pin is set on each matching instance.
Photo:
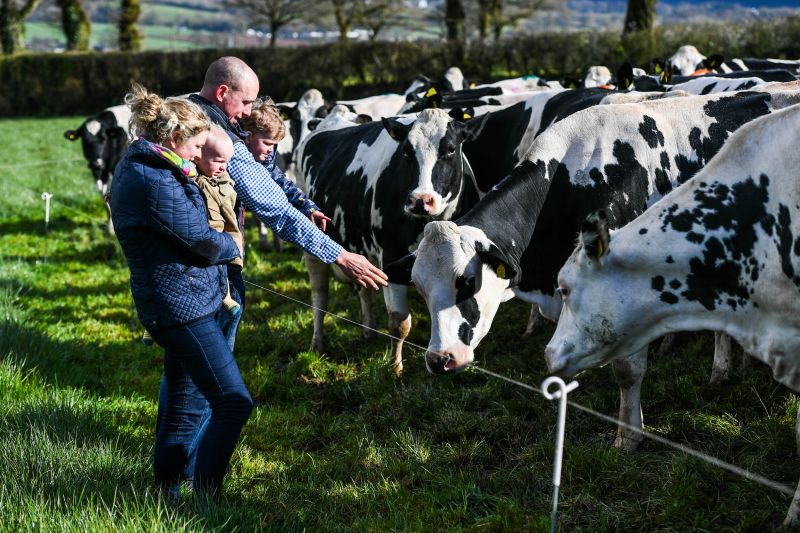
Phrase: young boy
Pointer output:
(265, 130)
(217, 188)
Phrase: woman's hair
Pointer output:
(264, 118)
(158, 119)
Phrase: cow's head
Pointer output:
(310, 106)
(688, 61)
(463, 278)
(597, 76)
(103, 142)
(431, 150)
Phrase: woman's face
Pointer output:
(191, 148)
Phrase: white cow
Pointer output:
(721, 253)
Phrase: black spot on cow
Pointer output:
(719, 276)
(783, 231)
(470, 311)
(657, 283)
(650, 132)
(669, 259)
(668, 297)
(566, 103)
(642, 231)
(465, 333)
(729, 113)
(708, 88)
(663, 185)
(675, 284)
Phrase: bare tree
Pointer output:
(12, 24)
(345, 13)
(276, 13)
(75, 24)
(640, 16)
(376, 15)
(496, 15)
(130, 38)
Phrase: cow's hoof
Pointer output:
(368, 333)
(629, 444)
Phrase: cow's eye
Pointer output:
(451, 150)
(563, 292)
(465, 288)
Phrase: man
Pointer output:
(229, 89)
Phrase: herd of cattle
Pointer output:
(477, 194)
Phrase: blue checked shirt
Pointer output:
(295, 196)
(260, 194)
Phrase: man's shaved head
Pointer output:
(232, 86)
(230, 71)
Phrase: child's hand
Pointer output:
(319, 219)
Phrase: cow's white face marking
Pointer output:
(425, 137)
(685, 60)
(93, 127)
(597, 76)
(456, 78)
(462, 293)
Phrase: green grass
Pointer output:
(335, 442)
(156, 37)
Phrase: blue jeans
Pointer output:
(229, 326)
(200, 377)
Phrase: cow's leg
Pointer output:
(318, 274)
(263, 238)
(535, 322)
(396, 300)
(721, 372)
(365, 296)
(792, 520)
(666, 345)
(628, 373)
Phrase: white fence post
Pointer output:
(561, 395)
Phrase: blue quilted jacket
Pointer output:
(176, 259)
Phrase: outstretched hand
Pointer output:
(360, 270)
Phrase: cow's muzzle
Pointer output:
(421, 204)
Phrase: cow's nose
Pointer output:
(421, 203)
(97, 164)
(438, 361)
(555, 357)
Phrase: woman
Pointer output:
(178, 281)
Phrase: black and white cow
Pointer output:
(104, 140)
(513, 243)
(380, 183)
(721, 252)
(688, 61)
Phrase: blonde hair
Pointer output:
(157, 119)
(264, 118)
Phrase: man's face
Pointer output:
(237, 102)
(260, 145)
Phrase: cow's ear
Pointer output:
(568, 82)
(322, 111)
(71, 135)
(625, 76)
(659, 65)
(286, 111)
(497, 261)
(713, 62)
(363, 119)
(313, 123)
(399, 271)
(433, 97)
(473, 127)
(594, 235)
(397, 130)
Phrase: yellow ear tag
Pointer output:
(72, 136)
(430, 92)
(467, 116)
(658, 69)
(600, 249)
(392, 135)
(501, 271)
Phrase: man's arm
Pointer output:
(293, 193)
(261, 195)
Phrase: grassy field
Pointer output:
(335, 443)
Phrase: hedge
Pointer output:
(84, 83)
